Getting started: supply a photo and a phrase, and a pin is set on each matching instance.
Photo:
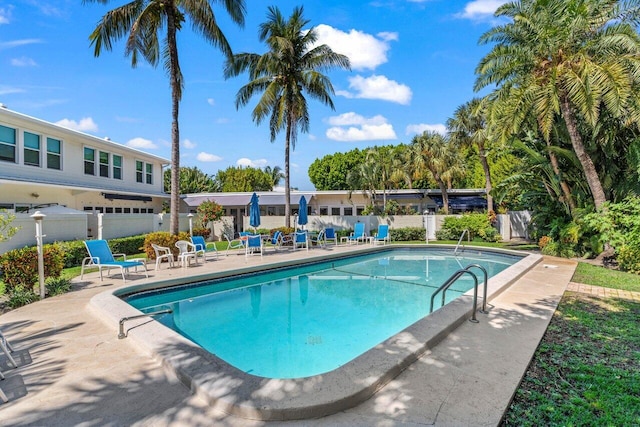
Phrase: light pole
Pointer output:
(38, 216)
(190, 216)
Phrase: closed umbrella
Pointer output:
(302, 211)
(254, 212)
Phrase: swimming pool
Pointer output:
(308, 320)
(249, 396)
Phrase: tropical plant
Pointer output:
(141, 22)
(192, 180)
(330, 172)
(468, 128)
(6, 230)
(433, 154)
(209, 211)
(291, 67)
(275, 173)
(569, 58)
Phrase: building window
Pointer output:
(109, 210)
(359, 210)
(149, 173)
(7, 144)
(150, 210)
(144, 172)
(139, 171)
(117, 167)
(324, 210)
(54, 154)
(89, 161)
(104, 164)
(335, 211)
(126, 210)
(348, 211)
(31, 149)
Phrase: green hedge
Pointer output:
(407, 234)
(477, 224)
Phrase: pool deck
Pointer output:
(73, 370)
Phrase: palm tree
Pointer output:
(141, 22)
(291, 68)
(432, 153)
(468, 128)
(573, 58)
(275, 173)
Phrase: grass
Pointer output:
(607, 278)
(586, 370)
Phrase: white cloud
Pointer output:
(354, 127)
(211, 101)
(259, 163)
(364, 51)
(18, 43)
(480, 9)
(188, 144)
(207, 157)
(420, 128)
(5, 90)
(378, 87)
(141, 143)
(4, 16)
(23, 62)
(84, 125)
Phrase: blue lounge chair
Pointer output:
(203, 248)
(382, 235)
(358, 233)
(330, 235)
(301, 239)
(276, 240)
(100, 256)
(253, 244)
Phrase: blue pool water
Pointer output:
(311, 319)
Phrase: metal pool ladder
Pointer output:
(121, 333)
(454, 277)
(455, 251)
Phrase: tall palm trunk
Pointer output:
(175, 131)
(287, 187)
(566, 190)
(588, 167)
(443, 190)
(487, 176)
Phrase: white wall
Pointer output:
(55, 228)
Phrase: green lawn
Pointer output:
(586, 370)
(607, 278)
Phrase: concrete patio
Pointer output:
(73, 370)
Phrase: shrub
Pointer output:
(204, 232)
(57, 286)
(128, 245)
(21, 295)
(162, 238)
(209, 211)
(407, 234)
(20, 266)
(477, 224)
(74, 252)
(629, 258)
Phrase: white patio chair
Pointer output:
(162, 253)
(187, 253)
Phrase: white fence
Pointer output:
(61, 227)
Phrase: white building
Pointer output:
(44, 164)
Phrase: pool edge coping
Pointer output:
(235, 392)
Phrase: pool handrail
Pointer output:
(455, 251)
(450, 281)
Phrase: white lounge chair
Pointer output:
(301, 239)
(233, 244)
(253, 244)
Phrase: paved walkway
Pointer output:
(603, 292)
(73, 370)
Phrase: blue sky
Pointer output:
(412, 61)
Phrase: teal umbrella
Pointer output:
(254, 212)
(302, 211)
